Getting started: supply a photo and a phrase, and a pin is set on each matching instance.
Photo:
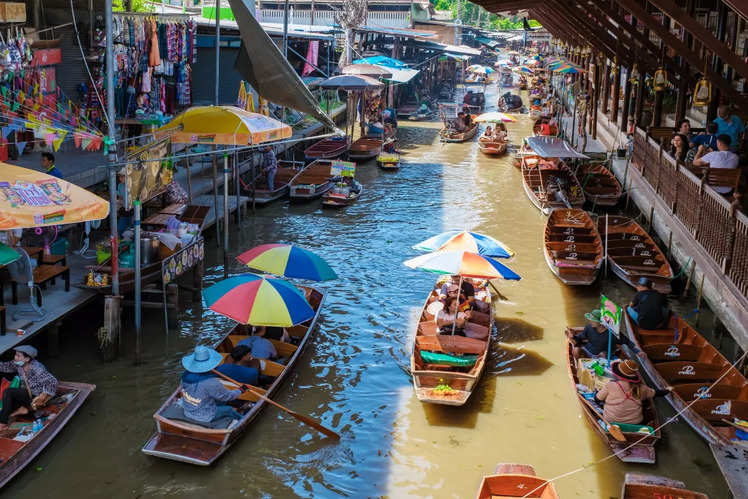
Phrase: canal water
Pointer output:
(353, 377)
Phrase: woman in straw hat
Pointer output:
(626, 393)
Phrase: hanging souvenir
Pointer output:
(634, 78)
(660, 80)
(702, 94)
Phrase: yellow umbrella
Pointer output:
(228, 125)
(34, 199)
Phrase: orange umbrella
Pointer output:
(34, 199)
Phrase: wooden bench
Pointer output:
(722, 177)
(42, 275)
(450, 344)
(283, 349)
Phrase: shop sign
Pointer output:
(12, 12)
(46, 57)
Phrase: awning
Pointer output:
(552, 147)
(486, 41)
(381, 60)
(402, 75)
(402, 32)
(449, 49)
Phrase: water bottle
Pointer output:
(37, 425)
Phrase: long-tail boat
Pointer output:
(639, 447)
(640, 486)
(313, 182)
(491, 145)
(342, 195)
(192, 443)
(445, 367)
(388, 161)
(573, 248)
(286, 173)
(550, 184)
(600, 185)
(449, 135)
(19, 444)
(364, 149)
(515, 480)
(329, 148)
(633, 254)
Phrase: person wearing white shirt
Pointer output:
(721, 158)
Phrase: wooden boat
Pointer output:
(448, 135)
(287, 171)
(313, 182)
(492, 147)
(640, 486)
(600, 185)
(537, 126)
(195, 444)
(633, 254)
(364, 149)
(329, 148)
(639, 447)
(573, 248)
(19, 446)
(449, 384)
(515, 480)
(476, 102)
(680, 357)
(516, 106)
(550, 184)
(341, 195)
(388, 161)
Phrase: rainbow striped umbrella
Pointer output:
(462, 263)
(257, 300)
(287, 260)
(462, 240)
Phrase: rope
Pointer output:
(670, 420)
(683, 268)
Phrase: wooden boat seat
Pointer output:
(428, 328)
(559, 227)
(572, 238)
(480, 318)
(714, 410)
(450, 344)
(284, 349)
(690, 391)
(581, 256)
(682, 371)
(579, 247)
(670, 351)
(477, 331)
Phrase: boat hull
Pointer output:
(459, 137)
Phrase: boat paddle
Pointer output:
(304, 419)
(612, 429)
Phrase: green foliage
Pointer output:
(136, 6)
(469, 13)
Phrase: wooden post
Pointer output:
(606, 88)
(688, 281)
(626, 104)
(189, 181)
(197, 280)
(657, 119)
(616, 93)
(595, 97)
(53, 339)
(215, 196)
(109, 334)
(172, 301)
(639, 104)
(698, 299)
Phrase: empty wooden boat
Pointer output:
(313, 182)
(287, 171)
(515, 480)
(639, 446)
(573, 248)
(364, 149)
(329, 148)
(680, 357)
(342, 194)
(600, 185)
(640, 486)
(189, 442)
(19, 445)
(633, 254)
(388, 161)
(550, 184)
(449, 135)
(445, 367)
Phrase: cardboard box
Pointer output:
(12, 12)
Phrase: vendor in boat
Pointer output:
(593, 340)
(270, 166)
(36, 385)
(460, 122)
(649, 308)
(261, 347)
(204, 398)
(624, 396)
(449, 318)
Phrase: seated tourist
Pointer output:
(648, 307)
(500, 135)
(449, 289)
(37, 385)
(279, 333)
(449, 318)
(488, 133)
(204, 397)
(236, 366)
(262, 348)
(545, 127)
(679, 147)
(593, 340)
(708, 139)
(723, 157)
(683, 127)
(625, 395)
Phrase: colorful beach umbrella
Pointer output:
(495, 117)
(462, 240)
(260, 301)
(228, 125)
(524, 69)
(36, 199)
(463, 263)
(287, 260)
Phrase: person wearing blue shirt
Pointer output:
(708, 139)
(730, 125)
(236, 366)
(48, 163)
(262, 348)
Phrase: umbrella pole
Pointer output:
(457, 310)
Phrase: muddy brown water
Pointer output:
(352, 376)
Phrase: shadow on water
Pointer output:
(513, 330)
(466, 416)
(512, 360)
(411, 136)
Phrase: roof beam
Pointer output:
(668, 7)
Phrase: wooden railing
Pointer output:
(712, 220)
